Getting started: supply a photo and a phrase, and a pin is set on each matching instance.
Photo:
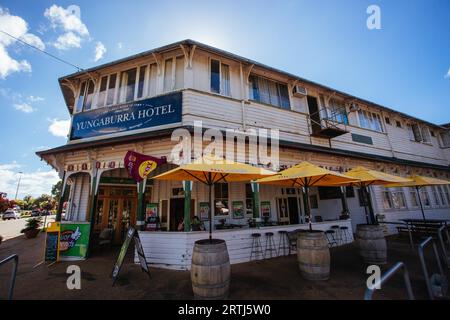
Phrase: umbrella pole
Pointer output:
(420, 202)
(307, 207)
(210, 212)
(363, 192)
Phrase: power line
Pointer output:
(43, 51)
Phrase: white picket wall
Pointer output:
(173, 250)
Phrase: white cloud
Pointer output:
(59, 128)
(31, 183)
(67, 40)
(448, 74)
(119, 45)
(33, 40)
(35, 98)
(17, 27)
(100, 51)
(24, 107)
(69, 22)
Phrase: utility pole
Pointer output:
(18, 184)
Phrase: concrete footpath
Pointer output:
(277, 278)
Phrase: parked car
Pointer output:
(11, 214)
(35, 213)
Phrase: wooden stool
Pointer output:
(345, 234)
(270, 245)
(283, 243)
(256, 246)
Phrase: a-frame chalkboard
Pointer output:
(131, 234)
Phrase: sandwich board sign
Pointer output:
(52, 236)
(132, 234)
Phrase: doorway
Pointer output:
(115, 209)
(176, 212)
(314, 114)
(293, 210)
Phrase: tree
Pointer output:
(56, 190)
(4, 203)
(28, 202)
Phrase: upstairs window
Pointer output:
(174, 74)
(269, 92)
(426, 134)
(86, 96)
(219, 77)
(337, 111)
(107, 90)
(445, 139)
(419, 134)
(128, 85)
(141, 81)
(370, 120)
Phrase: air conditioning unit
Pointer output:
(299, 91)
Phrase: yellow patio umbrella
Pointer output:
(418, 182)
(307, 175)
(210, 170)
(368, 177)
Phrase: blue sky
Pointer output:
(402, 66)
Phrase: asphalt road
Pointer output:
(11, 228)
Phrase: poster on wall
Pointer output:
(238, 210)
(151, 210)
(265, 209)
(74, 240)
(151, 217)
(204, 210)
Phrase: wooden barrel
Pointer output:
(371, 243)
(210, 269)
(313, 255)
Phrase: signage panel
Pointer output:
(135, 115)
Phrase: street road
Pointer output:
(11, 228)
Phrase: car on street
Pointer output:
(35, 213)
(11, 214)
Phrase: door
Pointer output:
(314, 114)
(283, 213)
(116, 209)
(176, 212)
(293, 210)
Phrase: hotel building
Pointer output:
(189, 81)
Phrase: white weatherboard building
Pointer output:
(189, 81)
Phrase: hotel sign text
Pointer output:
(136, 115)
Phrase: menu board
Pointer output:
(131, 234)
(51, 246)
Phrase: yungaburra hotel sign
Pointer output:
(135, 115)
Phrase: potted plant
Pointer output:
(31, 229)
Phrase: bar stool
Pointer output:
(345, 234)
(283, 242)
(270, 245)
(330, 235)
(337, 234)
(256, 246)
